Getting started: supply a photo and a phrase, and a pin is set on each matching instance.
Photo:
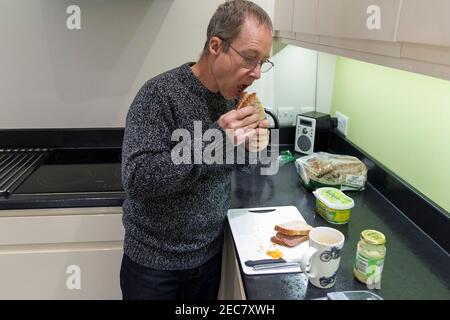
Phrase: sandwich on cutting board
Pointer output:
(291, 233)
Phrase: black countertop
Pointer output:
(415, 266)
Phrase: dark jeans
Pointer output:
(142, 283)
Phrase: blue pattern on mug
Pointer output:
(327, 255)
(324, 281)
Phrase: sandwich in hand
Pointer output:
(291, 234)
(251, 100)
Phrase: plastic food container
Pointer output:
(333, 205)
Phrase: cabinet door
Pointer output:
(358, 19)
(61, 228)
(283, 15)
(66, 271)
(425, 22)
(305, 16)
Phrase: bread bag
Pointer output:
(322, 169)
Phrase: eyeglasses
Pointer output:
(251, 62)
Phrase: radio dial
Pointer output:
(305, 131)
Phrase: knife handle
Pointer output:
(252, 263)
(275, 266)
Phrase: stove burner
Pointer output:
(75, 171)
(60, 176)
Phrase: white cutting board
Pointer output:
(252, 233)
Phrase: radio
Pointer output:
(313, 132)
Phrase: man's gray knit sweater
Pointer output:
(173, 214)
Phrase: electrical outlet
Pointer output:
(287, 116)
(342, 123)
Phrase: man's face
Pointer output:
(254, 42)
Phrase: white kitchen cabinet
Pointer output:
(427, 53)
(66, 271)
(384, 48)
(67, 228)
(358, 19)
(61, 253)
(411, 35)
(305, 20)
(305, 16)
(425, 22)
(283, 18)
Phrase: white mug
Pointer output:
(323, 256)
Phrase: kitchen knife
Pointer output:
(276, 266)
(271, 262)
(252, 263)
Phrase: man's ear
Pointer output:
(215, 46)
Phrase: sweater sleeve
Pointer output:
(147, 167)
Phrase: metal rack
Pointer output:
(16, 165)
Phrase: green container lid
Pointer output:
(334, 198)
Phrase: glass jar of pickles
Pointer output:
(369, 261)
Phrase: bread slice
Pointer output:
(289, 241)
(293, 228)
(251, 100)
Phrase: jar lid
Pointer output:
(373, 237)
(334, 198)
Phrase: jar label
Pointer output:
(369, 267)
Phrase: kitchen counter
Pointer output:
(415, 266)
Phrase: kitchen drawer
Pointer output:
(84, 271)
(348, 19)
(89, 226)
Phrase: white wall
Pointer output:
(55, 77)
(326, 67)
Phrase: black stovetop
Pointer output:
(75, 171)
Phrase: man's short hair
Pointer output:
(227, 21)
